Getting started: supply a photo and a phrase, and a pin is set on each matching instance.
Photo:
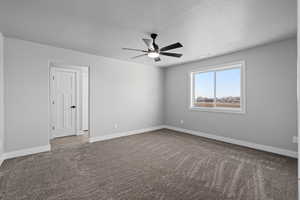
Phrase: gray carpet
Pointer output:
(163, 165)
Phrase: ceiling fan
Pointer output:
(154, 51)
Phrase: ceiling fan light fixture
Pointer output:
(153, 54)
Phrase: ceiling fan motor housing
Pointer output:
(154, 36)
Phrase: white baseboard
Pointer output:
(261, 147)
(81, 132)
(24, 152)
(122, 134)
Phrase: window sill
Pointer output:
(218, 110)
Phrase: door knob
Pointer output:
(73, 107)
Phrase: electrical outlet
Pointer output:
(116, 126)
(295, 139)
(181, 122)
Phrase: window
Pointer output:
(219, 88)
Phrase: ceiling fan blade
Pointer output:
(157, 59)
(172, 46)
(130, 49)
(148, 43)
(139, 56)
(177, 55)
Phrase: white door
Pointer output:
(63, 102)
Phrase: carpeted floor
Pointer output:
(68, 141)
(162, 165)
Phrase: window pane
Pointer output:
(228, 89)
(204, 89)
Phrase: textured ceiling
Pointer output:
(205, 27)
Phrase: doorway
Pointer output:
(69, 105)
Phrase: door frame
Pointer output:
(78, 115)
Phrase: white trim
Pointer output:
(62, 134)
(24, 152)
(122, 134)
(237, 64)
(80, 132)
(261, 147)
(1, 161)
(218, 110)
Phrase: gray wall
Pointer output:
(1, 97)
(121, 92)
(271, 81)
